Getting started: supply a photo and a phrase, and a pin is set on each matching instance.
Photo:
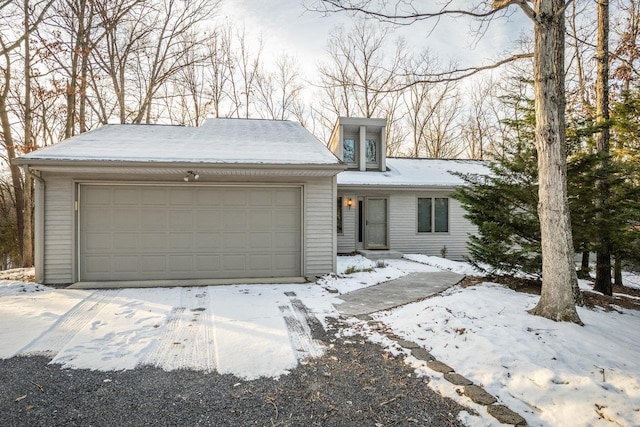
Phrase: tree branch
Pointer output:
(335, 6)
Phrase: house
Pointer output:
(233, 201)
(396, 204)
(230, 201)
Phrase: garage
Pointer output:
(186, 231)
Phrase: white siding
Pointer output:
(347, 240)
(404, 236)
(320, 211)
(58, 234)
(403, 231)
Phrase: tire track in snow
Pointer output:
(53, 340)
(185, 342)
(298, 321)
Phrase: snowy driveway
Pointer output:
(249, 331)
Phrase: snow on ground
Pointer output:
(551, 373)
(249, 331)
(444, 264)
(631, 279)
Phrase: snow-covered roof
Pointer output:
(415, 172)
(242, 141)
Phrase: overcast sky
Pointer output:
(286, 26)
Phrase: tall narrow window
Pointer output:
(349, 150)
(424, 215)
(372, 151)
(339, 216)
(441, 217)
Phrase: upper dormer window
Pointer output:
(372, 151)
(349, 150)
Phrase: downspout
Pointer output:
(38, 224)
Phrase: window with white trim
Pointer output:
(433, 215)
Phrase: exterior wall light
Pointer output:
(191, 175)
(349, 202)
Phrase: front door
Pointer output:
(376, 223)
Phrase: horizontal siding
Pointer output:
(58, 230)
(403, 233)
(347, 240)
(319, 205)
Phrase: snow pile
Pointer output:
(631, 279)
(445, 264)
(551, 373)
(8, 287)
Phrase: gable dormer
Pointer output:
(360, 143)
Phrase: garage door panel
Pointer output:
(98, 218)
(98, 264)
(125, 195)
(153, 241)
(233, 219)
(97, 241)
(208, 263)
(125, 264)
(153, 196)
(153, 218)
(152, 263)
(260, 198)
(180, 242)
(180, 219)
(208, 219)
(234, 263)
(180, 263)
(234, 241)
(258, 240)
(233, 198)
(260, 219)
(126, 242)
(190, 232)
(125, 218)
(207, 241)
(179, 197)
(287, 198)
(286, 219)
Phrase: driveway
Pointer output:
(248, 331)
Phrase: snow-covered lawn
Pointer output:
(553, 374)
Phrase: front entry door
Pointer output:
(376, 223)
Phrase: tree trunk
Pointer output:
(618, 270)
(29, 145)
(584, 266)
(559, 281)
(603, 258)
(16, 177)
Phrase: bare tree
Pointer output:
(360, 74)
(278, 92)
(559, 289)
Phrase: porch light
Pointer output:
(349, 203)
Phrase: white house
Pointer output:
(234, 200)
(396, 204)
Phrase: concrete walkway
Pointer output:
(394, 293)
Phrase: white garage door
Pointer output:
(143, 232)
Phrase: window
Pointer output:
(339, 216)
(349, 150)
(433, 215)
(372, 151)
(424, 215)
